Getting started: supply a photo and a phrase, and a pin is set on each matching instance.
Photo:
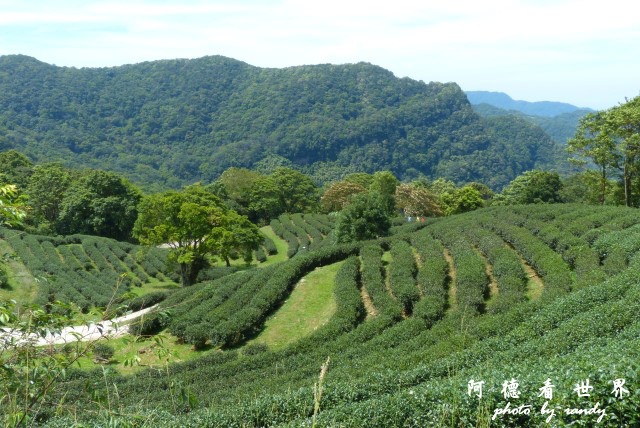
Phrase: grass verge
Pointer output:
(310, 305)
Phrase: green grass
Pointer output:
(156, 352)
(310, 305)
(280, 243)
(150, 287)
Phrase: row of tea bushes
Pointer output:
(432, 279)
(402, 271)
(506, 268)
(86, 270)
(555, 272)
(471, 281)
(373, 280)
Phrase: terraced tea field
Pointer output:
(459, 321)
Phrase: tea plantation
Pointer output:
(86, 270)
(505, 316)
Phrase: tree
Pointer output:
(441, 185)
(183, 220)
(194, 223)
(237, 237)
(623, 121)
(238, 183)
(361, 178)
(594, 141)
(297, 192)
(462, 200)
(264, 200)
(337, 196)
(417, 201)
(532, 187)
(99, 203)
(485, 192)
(586, 187)
(611, 140)
(384, 183)
(46, 189)
(366, 217)
(15, 168)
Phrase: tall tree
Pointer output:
(611, 139)
(337, 196)
(624, 123)
(46, 189)
(99, 203)
(183, 220)
(593, 140)
(297, 192)
(417, 201)
(195, 224)
(365, 217)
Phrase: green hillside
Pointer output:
(515, 297)
(88, 271)
(169, 123)
(560, 127)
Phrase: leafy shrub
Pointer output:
(254, 349)
(103, 352)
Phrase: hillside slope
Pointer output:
(167, 123)
(428, 352)
(560, 127)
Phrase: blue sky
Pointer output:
(584, 52)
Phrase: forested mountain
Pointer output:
(560, 127)
(172, 122)
(537, 108)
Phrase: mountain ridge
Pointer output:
(535, 108)
(172, 122)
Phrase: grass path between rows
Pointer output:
(280, 244)
(310, 305)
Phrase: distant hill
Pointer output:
(172, 122)
(560, 128)
(505, 102)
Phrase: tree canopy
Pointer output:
(365, 217)
(99, 203)
(12, 208)
(610, 139)
(530, 188)
(194, 223)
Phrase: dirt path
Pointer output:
(368, 303)
(111, 328)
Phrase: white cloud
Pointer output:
(537, 48)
